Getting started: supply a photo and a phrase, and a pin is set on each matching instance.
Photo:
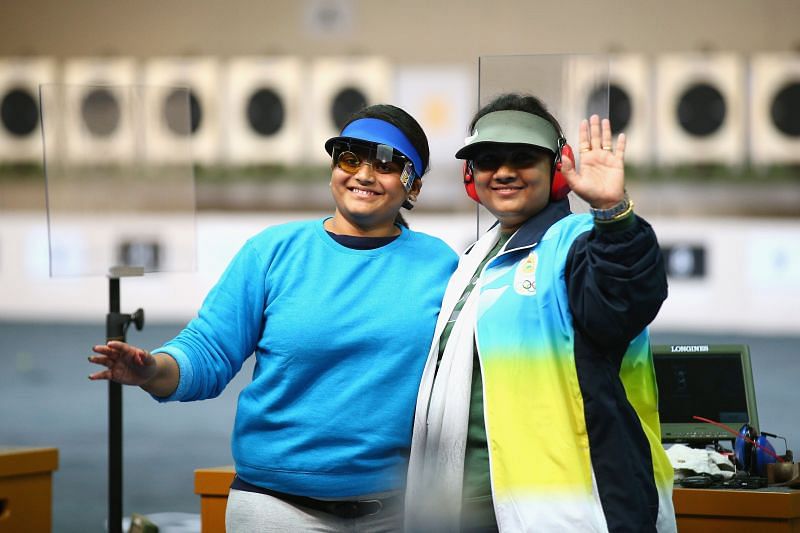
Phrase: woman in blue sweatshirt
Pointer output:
(339, 313)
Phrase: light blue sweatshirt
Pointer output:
(340, 336)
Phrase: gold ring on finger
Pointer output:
(608, 148)
(585, 150)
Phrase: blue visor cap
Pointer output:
(377, 131)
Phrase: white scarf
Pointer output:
(438, 446)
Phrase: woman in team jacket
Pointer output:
(538, 405)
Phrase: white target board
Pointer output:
(775, 108)
(264, 110)
(627, 94)
(700, 113)
(442, 98)
(171, 135)
(99, 124)
(20, 127)
(340, 86)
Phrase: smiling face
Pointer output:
(368, 195)
(512, 182)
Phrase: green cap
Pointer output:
(510, 127)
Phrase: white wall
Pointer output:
(752, 282)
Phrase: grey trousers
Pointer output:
(252, 512)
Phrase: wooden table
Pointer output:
(213, 484)
(26, 494)
(697, 510)
(752, 511)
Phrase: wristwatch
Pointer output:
(616, 212)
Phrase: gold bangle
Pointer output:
(624, 214)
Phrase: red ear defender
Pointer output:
(560, 188)
(469, 181)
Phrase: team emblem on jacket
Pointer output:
(525, 276)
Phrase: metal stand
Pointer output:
(116, 329)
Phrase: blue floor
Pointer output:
(46, 400)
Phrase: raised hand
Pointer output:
(124, 363)
(601, 180)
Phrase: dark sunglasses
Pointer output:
(516, 157)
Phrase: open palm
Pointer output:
(601, 180)
(124, 363)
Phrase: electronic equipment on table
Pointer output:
(706, 395)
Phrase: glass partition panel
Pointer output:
(110, 203)
(572, 87)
